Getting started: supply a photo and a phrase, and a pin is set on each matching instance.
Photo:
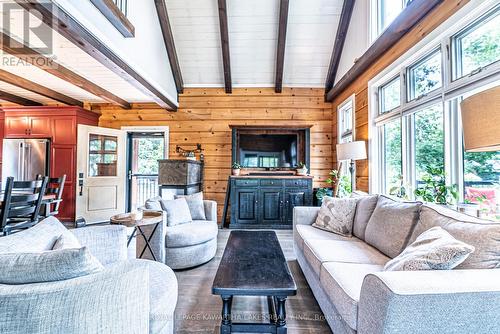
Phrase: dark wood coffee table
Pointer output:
(253, 264)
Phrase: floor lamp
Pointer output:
(351, 151)
(481, 121)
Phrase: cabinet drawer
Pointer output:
(271, 183)
(295, 183)
(246, 183)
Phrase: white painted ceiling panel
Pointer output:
(253, 38)
(25, 93)
(195, 26)
(312, 25)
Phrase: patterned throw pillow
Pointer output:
(336, 215)
(435, 249)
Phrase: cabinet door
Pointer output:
(293, 198)
(39, 126)
(16, 127)
(246, 206)
(271, 205)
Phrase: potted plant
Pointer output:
(341, 186)
(236, 169)
(302, 169)
(434, 188)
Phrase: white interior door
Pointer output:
(101, 173)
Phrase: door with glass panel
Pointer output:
(145, 149)
(101, 173)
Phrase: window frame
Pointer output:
(410, 83)
(454, 46)
(342, 134)
(440, 39)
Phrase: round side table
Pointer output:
(149, 218)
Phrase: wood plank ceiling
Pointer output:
(270, 43)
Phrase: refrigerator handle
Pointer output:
(28, 162)
(20, 166)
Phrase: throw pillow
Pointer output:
(435, 249)
(196, 206)
(484, 235)
(364, 210)
(50, 266)
(336, 215)
(391, 224)
(65, 241)
(177, 211)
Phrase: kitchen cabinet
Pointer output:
(60, 125)
(27, 126)
(260, 202)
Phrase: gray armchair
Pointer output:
(128, 296)
(186, 245)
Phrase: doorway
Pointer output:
(145, 148)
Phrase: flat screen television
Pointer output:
(268, 150)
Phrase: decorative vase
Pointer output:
(236, 171)
(302, 171)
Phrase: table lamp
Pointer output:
(352, 151)
(481, 121)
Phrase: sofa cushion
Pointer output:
(177, 211)
(190, 234)
(435, 249)
(66, 240)
(162, 297)
(391, 225)
(48, 266)
(484, 235)
(154, 204)
(336, 215)
(195, 204)
(364, 210)
(317, 252)
(342, 283)
(308, 232)
(39, 238)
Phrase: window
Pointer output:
(477, 46)
(345, 130)
(428, 141)
(386, 11)
(393, 171)
(425, 76)
(418, 119)
(345, 112)
(102, 155)
(390, 96)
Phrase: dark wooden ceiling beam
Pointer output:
(280, 54)
(406, 20)
(168, 37)
(55, 17)
(115, 16)
(345, 19)
(17, 49)
(38, 89)
(18, 100)
(224, 37)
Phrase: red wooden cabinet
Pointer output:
(28, 126)
(60, 125)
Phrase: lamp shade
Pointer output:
(481, 121)
(355, 150)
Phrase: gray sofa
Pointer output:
(185, 245)
(356, 296)
(128, 296)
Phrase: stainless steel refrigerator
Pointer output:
(24, 159)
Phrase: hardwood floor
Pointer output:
(198, 311)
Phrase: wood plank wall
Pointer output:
(360, 87)
(204, 117)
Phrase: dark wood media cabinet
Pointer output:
(268, 202)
